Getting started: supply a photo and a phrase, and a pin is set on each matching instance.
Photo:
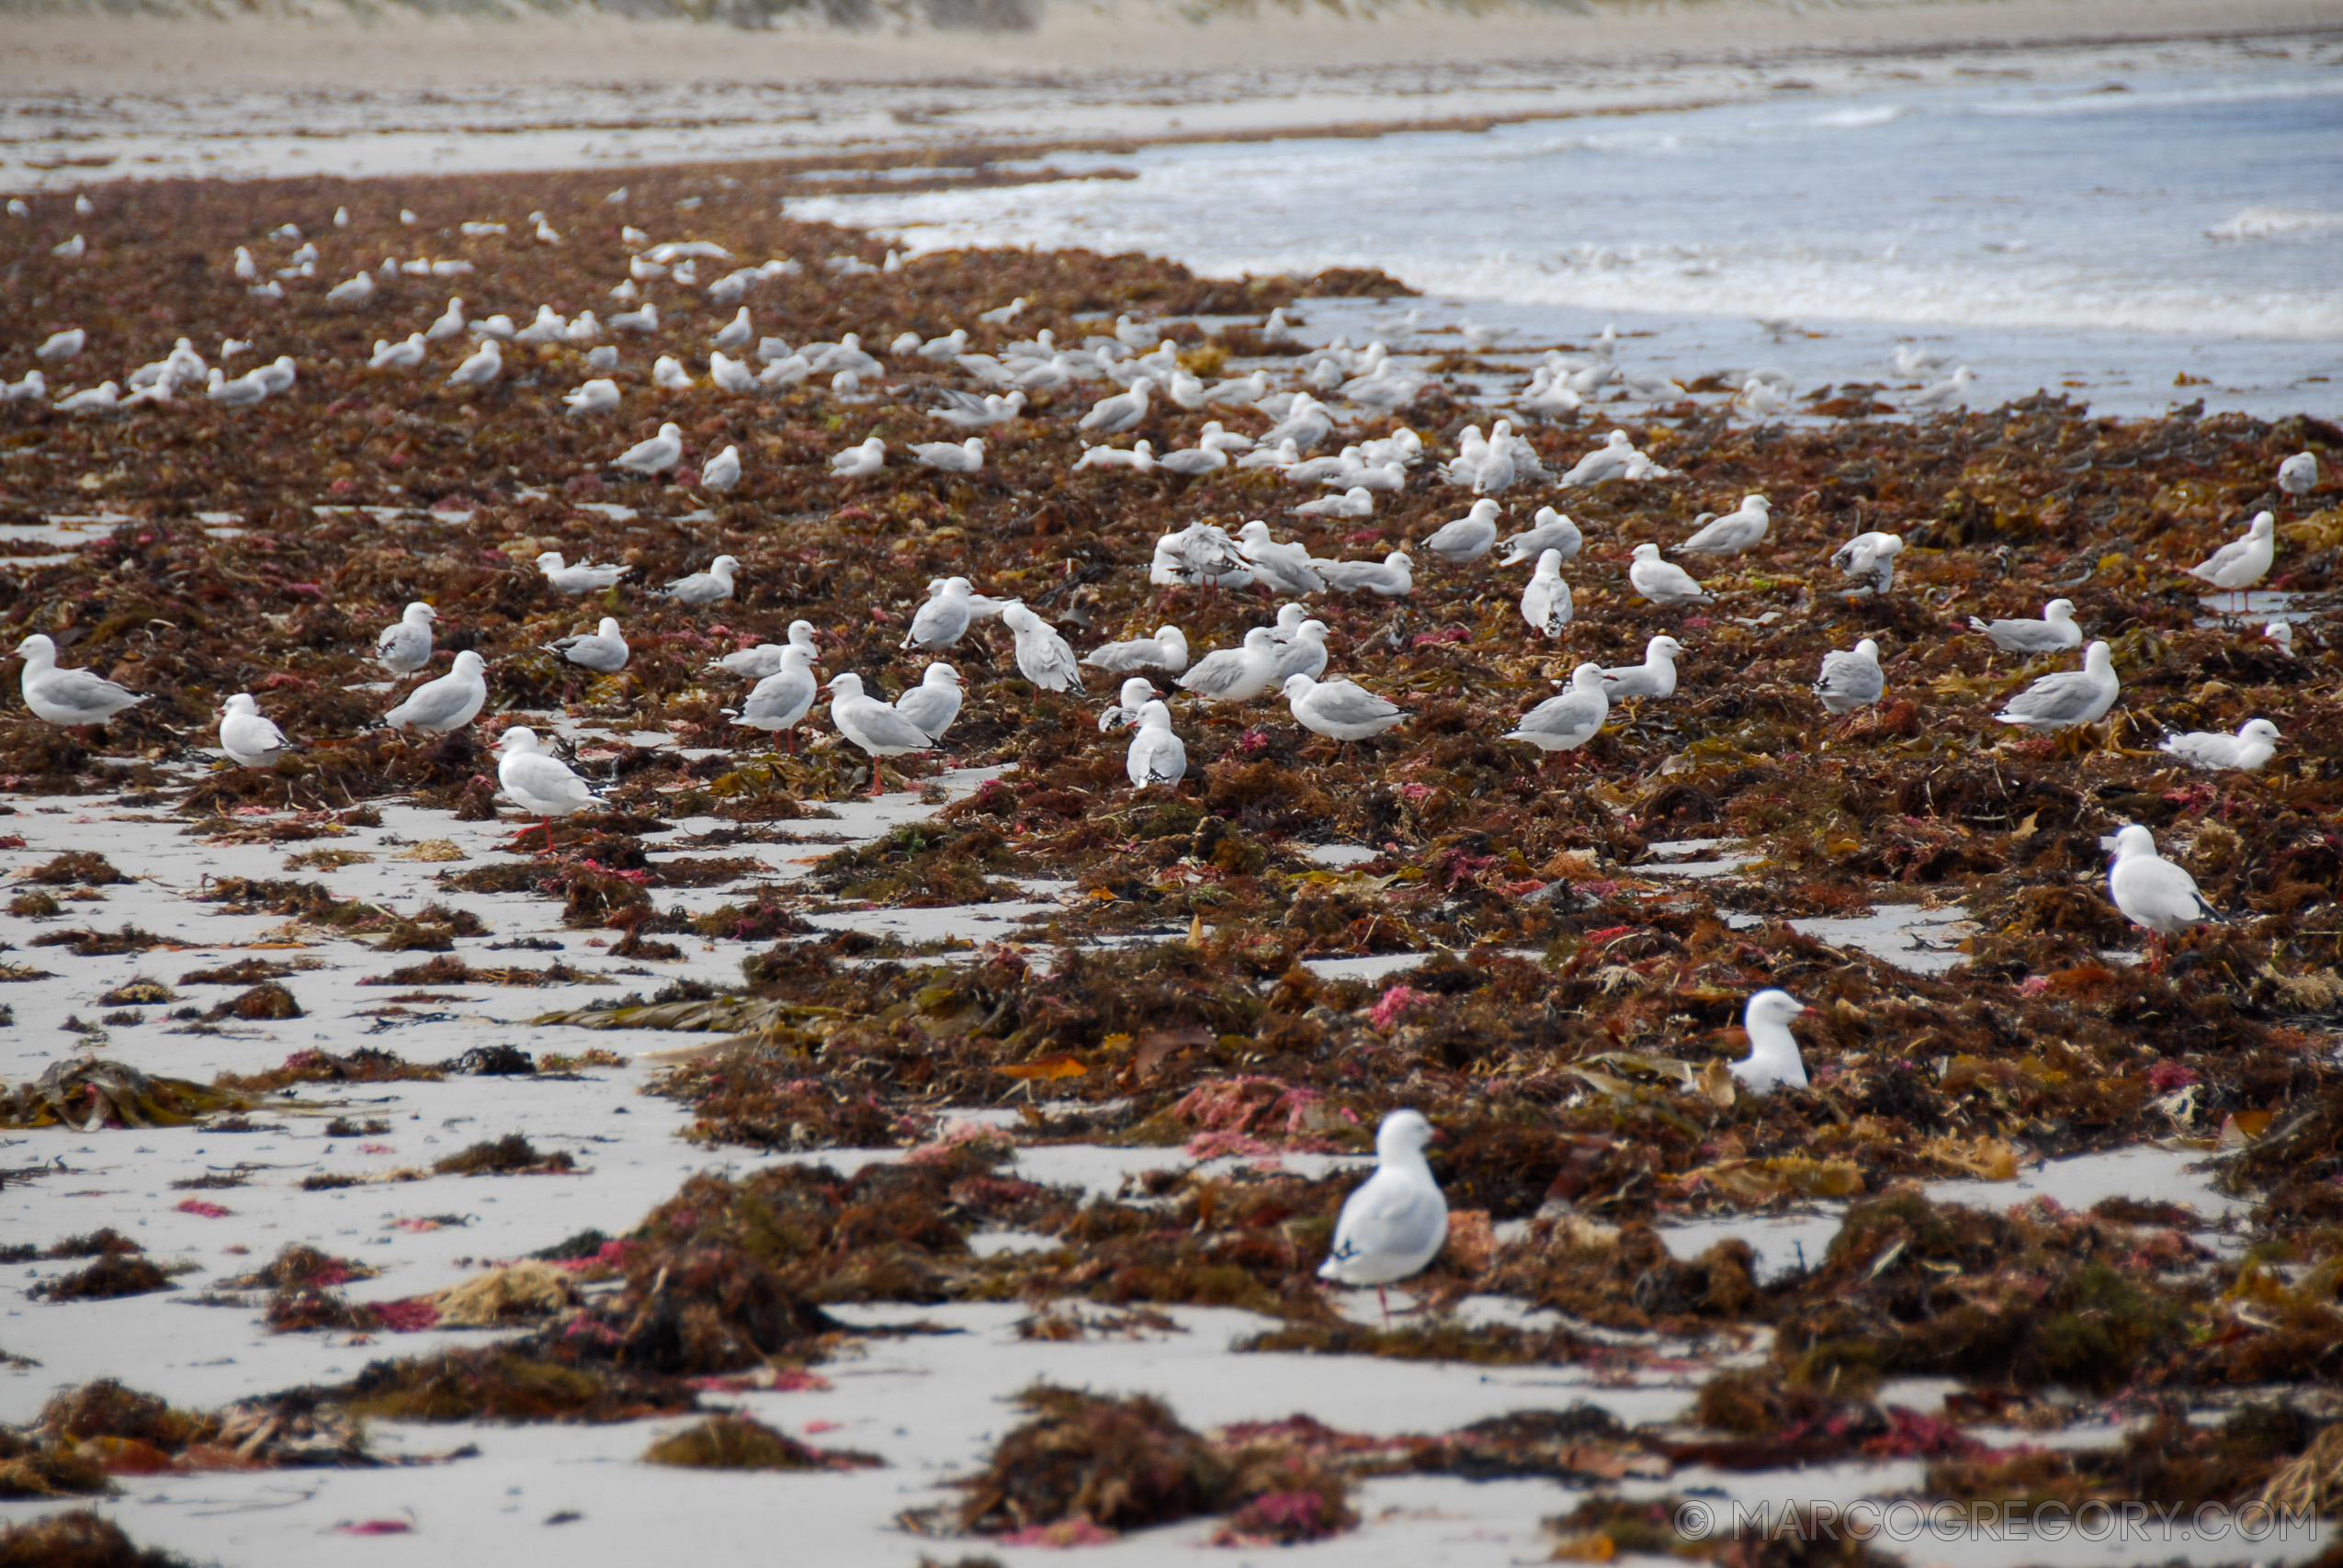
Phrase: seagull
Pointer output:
(1235, 674)
(604, 650)
(2298, 475)
(668, 373)
(872, 725)
(539, 782)
(1192, 462)
(2154, 894)
(722, 471)
(1546, 602)
(1953, 390)
(729, 375)
(1111, 416)
(484, 365)
(549, 327)
(703, 588)
(241, 393)
(1655, 677)
(1201, 554)
(1124, 710)
(404, 647)
(1760, 397)
(1549, 530)
(859, 462)
(579, 578)
(1662, 582)
(2239, 564)
(449, 703)
(1338, 710)
(1139, 458)
(1042, 654)
(2071, 697)
(763, 660)
(1734, 532)
(1303, 654)
(1910, 360)
(1398, 1221)
(389, 355)
(1870, 558)
(1287, 567)
(450, 324)
(1214, 439)
(72, 340)
(1167, 651)
(103, 396)
(656, 455)
(934, 703)
(1156, 756)
(972, 412)
(250, 740)
(1356, 501)
(351, 291)
(2055, 631)
(1850, 681)
(277, 375)
(1610, 460)
(2247, 752)
(1468, 538)
(2279, 635)
(1393, 577)
(68, 696)
(1240, 390)
(965, 458)
(736, 331)
(1773, 1060)
(943, 619)
(781, 698)
(1569, 718)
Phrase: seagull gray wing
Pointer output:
(1340, 701)
(434, 703)
(2065, 698)
(83, 693)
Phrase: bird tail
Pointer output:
(1978, 624)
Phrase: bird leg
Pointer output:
(1384, 1303)
(874, 778)
(549, 835)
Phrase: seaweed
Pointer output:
(511, 1154)
(741, 1442)
(78, 1539)
(115, 1274)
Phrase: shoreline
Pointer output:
(64, 56)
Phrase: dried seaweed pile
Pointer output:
(88, 1435)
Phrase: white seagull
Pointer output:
(1549, 530)
(859, 462)
(1773, 1058)
(68, 696)
(951, 458)
(934, 703)
(1156, 756)
(656, 455)
(722, 471)
(943, 619)
(1167, 651)
(1123, 711)
(1546, 602)
(484, 365)
(1393, 577)
(1870, 558)
(1850, 681)
(1398, 1221)
(1303, 654)
(781, 698)
(538, 782)
(2298, 475)
(406, 356)
(1655, 677)
(1045, 657)
(2071, 698)
(1660, 581)
(1569, 718)
(872, 725)
(2056, 630)
(1468, 538)
(1287, 567)
(580, 578)
(250, 740)
(1111, 416)
(404, 647)
(1340, 710)
(449, 703)
(710, 587)
(1235, 674)
(1734, 532)
(2154, 894)
(603, 650)
(2247, 752)
(2239, 564)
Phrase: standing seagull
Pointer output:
(721, 471)
(1773, 1058)
(536, 781)
(1870, 558)
(1235, 674)
(1469, 537)
(1850, 681)
(1397, 1223)
(1045, 657)
(1660, 581)
(482, 368)
(763, 660)
(1156, 756)
(603, 650)
(934, 703)
(704, 588)
(943, 619)
(74, 697)
(1111, 416)
(2239, 564)
(2297, 476)
(2154, 894)
(780, 699)
(1546, 602)
(2071, 698)
(1655, 677)
(449, 703)
(405, 647)
(2055, 630)
(1569, 718)
(870, 724)
(1339, 709)
(250, 740)
(1305, 654)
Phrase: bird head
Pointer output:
(1869, 650)
(2099, 659)
(846, 685)
(1587, 677)
(2260, 729)
(2134, 839)
(1404, 1133)
(549, 559)
(1772, 1007)
(941, 674)
(1549, 563)
(240, 703)
(1664, 647)
(1646, 552)
(1298, 685)
(723, 565)
(37, 644)
(2058, 610)
(470, 663)
(520, 737)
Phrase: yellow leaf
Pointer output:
(1717, 1082)
(2242, 1127)
(1114, 1042)
(1818, 1177)
(1982, 1156)
(1592, 1547)
(2025, 830)
(1048, 1068)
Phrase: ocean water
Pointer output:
(2111, 235)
